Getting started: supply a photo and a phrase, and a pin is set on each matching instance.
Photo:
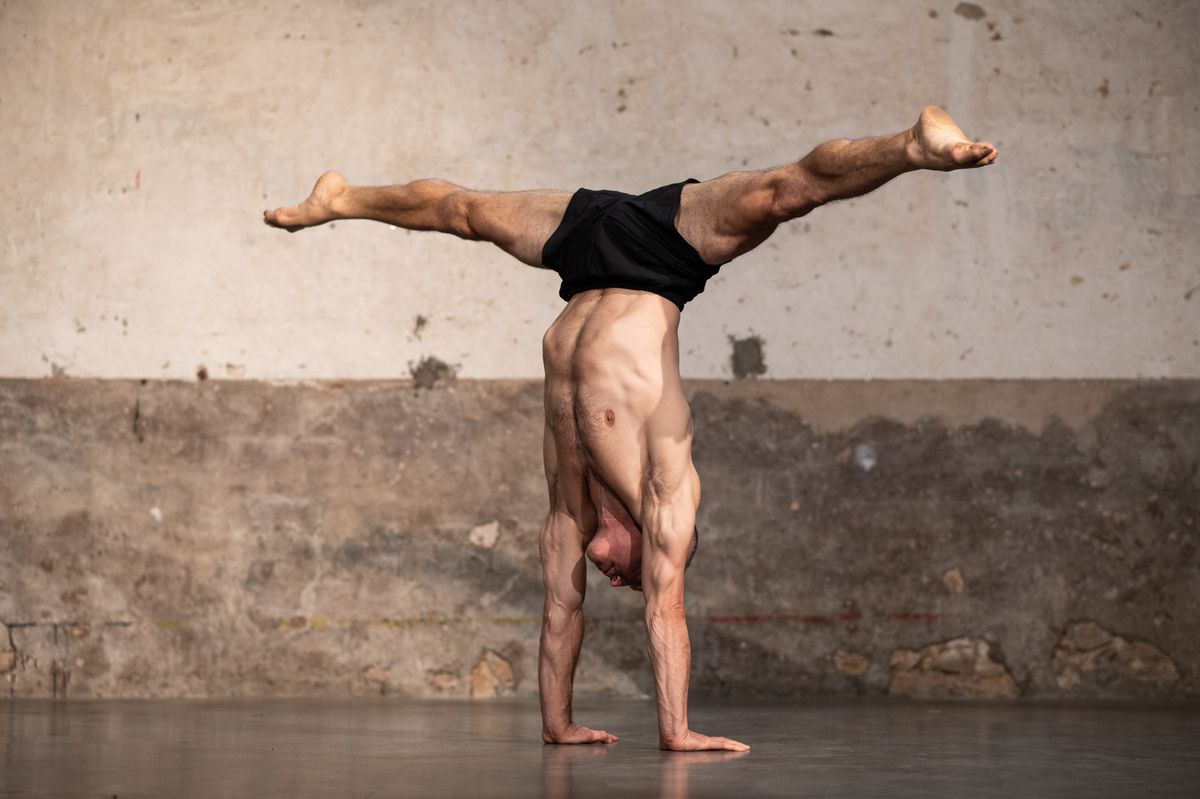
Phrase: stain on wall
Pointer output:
(1008, 538)
(748, 358)
(429, 371)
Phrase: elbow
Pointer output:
(665, 610)
(557, 618)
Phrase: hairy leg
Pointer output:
(731, 215)
(519, 222)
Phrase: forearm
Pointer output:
(558, 652)
(671, 659)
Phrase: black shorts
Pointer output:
(610, 239)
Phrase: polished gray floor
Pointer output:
(383, 748)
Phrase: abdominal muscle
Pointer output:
(612, 378)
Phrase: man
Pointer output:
(623, 490)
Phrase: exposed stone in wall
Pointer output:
(484, 535)
(8, 658)
(445, 680)
(850, 662)
(377, 676)
(953, 580)
(492, 676)
(1089, 659)
(959, 668)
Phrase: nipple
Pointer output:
(610, 418)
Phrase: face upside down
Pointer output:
(616, 549)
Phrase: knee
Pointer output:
(454, 212)
(795, 193)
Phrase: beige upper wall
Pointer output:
(139, 142)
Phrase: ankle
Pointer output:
(913, 152)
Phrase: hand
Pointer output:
(578, 734)
(695, 742)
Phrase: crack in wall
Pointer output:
(138, 430)
(12, 645)
(60, 674)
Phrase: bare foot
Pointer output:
(938, 143)
(319, 208)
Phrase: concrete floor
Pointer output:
(363, 748)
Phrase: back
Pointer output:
(612, 349)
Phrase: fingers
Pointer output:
(695, 742)
(597, 737)
(585, 735)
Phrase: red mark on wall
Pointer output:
(764, 618)
(137, 180)
(822, 619)
(928, 618)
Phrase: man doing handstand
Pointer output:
(618, 436)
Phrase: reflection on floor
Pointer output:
(384, 748)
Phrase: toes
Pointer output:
(276, 218)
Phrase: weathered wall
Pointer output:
(954, 538)
(140, 140)
(974, 537)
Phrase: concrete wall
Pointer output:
(141, 140)
(930, 539)
(212, 482)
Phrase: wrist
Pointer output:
(555, 728)
(674, 739)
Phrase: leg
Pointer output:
(518, 222)
(731, 215)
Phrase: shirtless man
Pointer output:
(623, 490)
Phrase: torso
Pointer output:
(612, 378)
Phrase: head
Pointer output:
(617, 552)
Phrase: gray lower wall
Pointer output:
(978, 538)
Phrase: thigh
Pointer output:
(730, 215)
(519, 222)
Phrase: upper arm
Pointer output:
(666, 539)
